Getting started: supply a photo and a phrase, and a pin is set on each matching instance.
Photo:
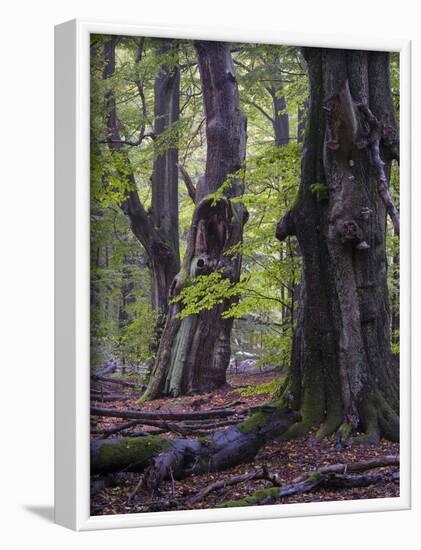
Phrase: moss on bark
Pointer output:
(115, 455)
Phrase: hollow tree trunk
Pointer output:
(194, 352)
(341, 370)
(156, 231)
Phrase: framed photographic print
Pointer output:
(232, 275)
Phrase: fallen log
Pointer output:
(115, 429)
(143, 433)
(165, 415)
(120, 381)
(370, 464)
(197, 428)
(162, 459)
(221, 483)
(327, 477)
(109, 398)
(107, 370)
(234, 480)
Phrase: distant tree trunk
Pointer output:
(165, 178)
(194, 352)
(341, 370)
(157, 231)
(280, 120)
(127, 298)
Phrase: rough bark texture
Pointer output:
(194, 352)
(342, 375)
(157, 231)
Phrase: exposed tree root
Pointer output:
(377, 419)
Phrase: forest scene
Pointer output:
(244, 274)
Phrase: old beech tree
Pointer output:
(194, 352)
(157, 229)
(341, 379)
(341, 376)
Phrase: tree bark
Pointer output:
(314, 482)
(341, 372)
(280, 120)
(161, 458)
(194, 351)
(156, 231)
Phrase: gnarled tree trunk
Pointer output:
(342, 375)
(194, 351)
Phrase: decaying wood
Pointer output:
(116, 429)
(335, 476)
(302, 484)
(190, 427)
(161, 458)
(158, 415)
(114, 380)
(361, 466)
(107, 370)
(221, 483)
(104, 398)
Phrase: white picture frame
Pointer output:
(72, 205)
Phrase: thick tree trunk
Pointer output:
(194, 351)
(341, 373)
(157, 231)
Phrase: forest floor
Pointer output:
(124, 494)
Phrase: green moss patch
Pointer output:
(116, 455)
(258, 497)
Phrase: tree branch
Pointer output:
(191, 189)
(260, 109)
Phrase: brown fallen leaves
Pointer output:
(287, 460)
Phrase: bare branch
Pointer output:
(191, 189)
